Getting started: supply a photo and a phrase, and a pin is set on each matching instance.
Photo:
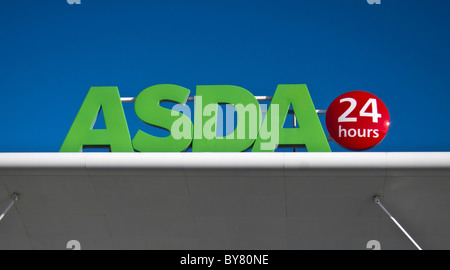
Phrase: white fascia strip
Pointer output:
(293, 160)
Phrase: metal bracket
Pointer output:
(378, 202)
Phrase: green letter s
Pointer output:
(148, 110)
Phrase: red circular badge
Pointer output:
(357, 120)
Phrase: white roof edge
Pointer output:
(278, 160)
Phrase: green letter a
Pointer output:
(310, 132)
(115, 136)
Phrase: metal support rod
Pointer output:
(377, 201)
(259, 98)
(132, 99)
(295, 125)
(13, 201)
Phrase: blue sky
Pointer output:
(51, 53)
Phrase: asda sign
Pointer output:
(261, 133)
(356, 120)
